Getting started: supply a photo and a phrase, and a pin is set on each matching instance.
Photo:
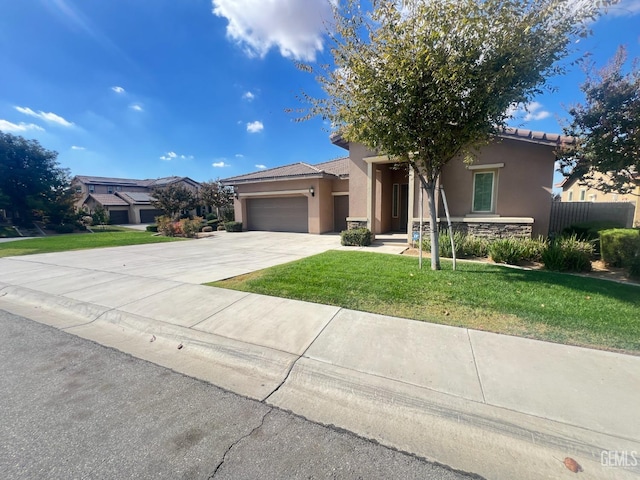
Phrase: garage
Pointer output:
(149, 215)
(279, 214)
(119, 217)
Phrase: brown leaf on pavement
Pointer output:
(153, 338)
(572, 465)
(180, 346)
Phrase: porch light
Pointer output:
(235, 192)
(312, 191)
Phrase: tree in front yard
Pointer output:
(426, 81)
(31, 179)
(214, 194)
(607, 154)
(173, 199)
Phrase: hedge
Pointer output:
(620, 247)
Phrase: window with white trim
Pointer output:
(570, 198)
(583, 195)
(484, 192)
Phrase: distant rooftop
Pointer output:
(337, 168)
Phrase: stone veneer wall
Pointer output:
(483, 230)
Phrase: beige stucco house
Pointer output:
(127, 201)
(506, 192)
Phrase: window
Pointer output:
(92, 189)
(583, 195)
(395, 201)
(592, 197)
(483, 186)
(570, 199)
(118, 188)
(109, 189)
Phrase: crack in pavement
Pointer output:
(224, 457)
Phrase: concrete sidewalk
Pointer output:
(503, 407)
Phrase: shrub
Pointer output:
(167, 227)
(212, 223)
(151, 228)
(356, 237)
(211, 216)
(190, 227)
(233, 226)
(507, 250)
(568, 254)
(64, 228)
(620, 246)
(474, 247)
(532, 248)
(634, 268)
(221, 228)
(207, 229)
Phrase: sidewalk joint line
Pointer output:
(475, 364)
(293, 364)
(220, 311)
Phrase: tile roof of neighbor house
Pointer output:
(337, 168)
(136, 198)
(108, 199)
(149, 182)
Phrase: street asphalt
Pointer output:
(75, 409)
(498, 406)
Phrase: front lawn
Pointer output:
(78, 241)
(537, 304)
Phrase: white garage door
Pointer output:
(285, 214)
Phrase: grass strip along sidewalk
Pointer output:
(80, 241)
(543, 305)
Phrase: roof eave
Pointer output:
(230, 181)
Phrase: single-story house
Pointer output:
(507, 191)
(125, 200)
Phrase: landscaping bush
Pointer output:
(233, 226)
(568, 254)
(167, 227)
(474, 247)
(212, 223)
(357, 237)
(590, 230)
(620, 246)
(532, 248)
(151, 228)
(206, 229)
(190, 227)
(634, 268)
(507, 250)
(64, 228)
(211, 216)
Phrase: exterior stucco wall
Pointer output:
(358, 180)
(320, 205)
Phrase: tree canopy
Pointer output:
(173, 199)
(425, 81)
(607, 127)
(31, 180)
(214, 194)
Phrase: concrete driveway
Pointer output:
(217, 257)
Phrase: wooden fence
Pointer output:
(564, 214)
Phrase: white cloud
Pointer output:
(136, 106)
(167, 157)
(118, 89)
(7, 126)
(76, 147)
(47, 116)
(294, 27)
(260, 166)
(248, 96)
(531, 112)
(220, 164)
(255, 127)
(239, 155)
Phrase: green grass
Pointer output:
(537, 304)
(112, 237)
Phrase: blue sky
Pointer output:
(198, 88)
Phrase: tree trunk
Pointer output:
(433, 222)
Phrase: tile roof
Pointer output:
(136, 198)
(108, 199)
(149, 182)
(537, 137)
(338, 168)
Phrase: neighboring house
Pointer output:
(506, 192)
(573, 190)
(126, 200)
